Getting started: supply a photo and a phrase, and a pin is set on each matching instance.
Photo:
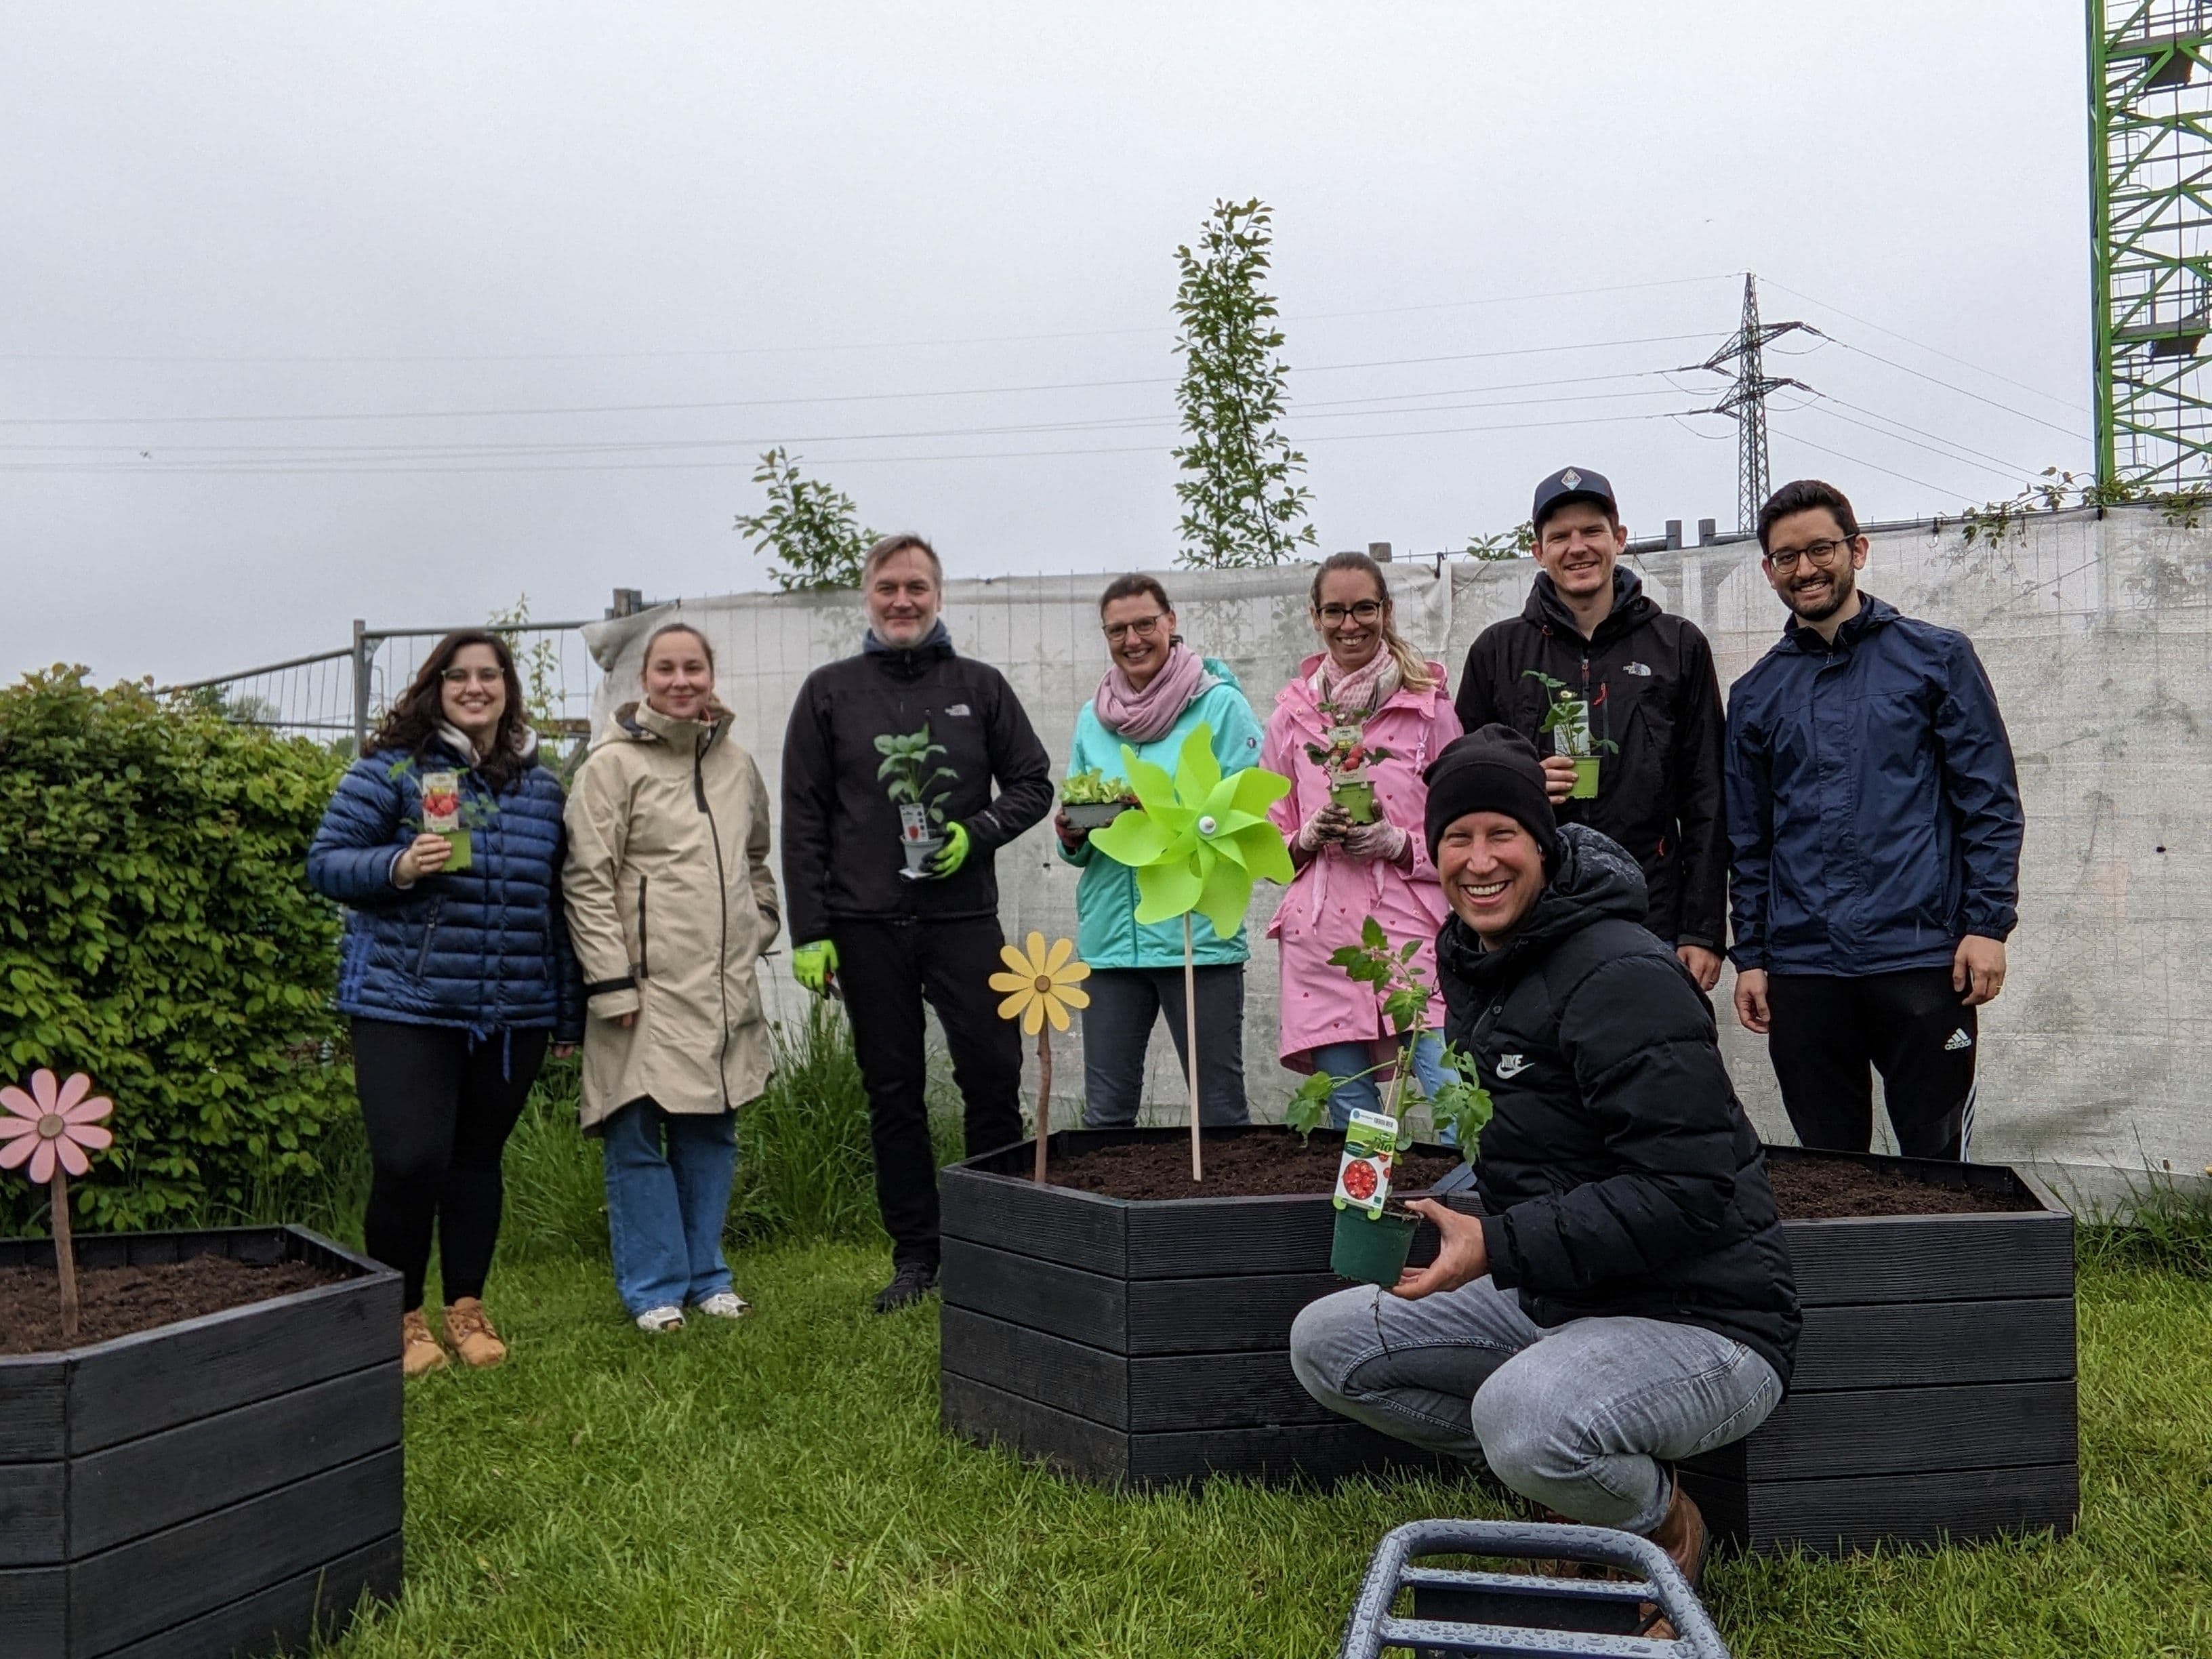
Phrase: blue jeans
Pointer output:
(1575, 1416)
(665, 1207)
(1364, 1094)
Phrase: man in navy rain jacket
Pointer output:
(1875, 823)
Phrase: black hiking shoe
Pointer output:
(910, 1282)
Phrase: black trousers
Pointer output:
(887, 970)
(439, 1107)
(1117, 1029)
(1911, 1027)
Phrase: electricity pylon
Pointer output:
(1745, 402)
(2150, 209)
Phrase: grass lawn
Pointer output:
(778, 1486)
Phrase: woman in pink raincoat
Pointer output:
(1366, 704)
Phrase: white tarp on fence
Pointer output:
(2097, 632)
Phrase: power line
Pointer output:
(1855, 461)
(1933, 351)
(289, 468)
(767, 350)
(1903, 369)
(2011, 468)
(762, 402)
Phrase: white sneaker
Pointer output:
(724, 1304)
(659, 1319)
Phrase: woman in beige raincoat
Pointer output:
(670, 904)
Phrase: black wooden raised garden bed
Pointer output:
(1141, 1341)
(224, 1485)
(1146, 1341)
(1933, 1398)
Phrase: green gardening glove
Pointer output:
(953, 855)
(812, 965)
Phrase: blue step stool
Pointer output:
(1524, 1615)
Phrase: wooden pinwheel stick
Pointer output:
(64, 1255)
(1044, 1098)
(1190, 1040)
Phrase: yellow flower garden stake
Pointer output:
(1197, 840)
(1042, 985)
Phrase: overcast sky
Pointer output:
(314, 312)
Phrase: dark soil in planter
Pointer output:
(123, 1301)
(1243, 1166)
(1818, 1190)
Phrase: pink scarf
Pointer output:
(1362, 691)
(1147, 715)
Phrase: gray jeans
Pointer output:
(1574, 1416)
(1117, 1026)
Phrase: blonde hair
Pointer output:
(1413, 666)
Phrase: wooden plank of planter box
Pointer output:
(1136, 1315)
(1078, 1230)
(158, 1479)
(157, 1379)
(33, 1497)
(1900, 1345)
(139, 1589)
(976, 1411)
(1929, 1258)
(32, 1417)
(1171, 1393)
(289, 1615)
(1837, 1517)
(1904, 1430)
(33, 1611)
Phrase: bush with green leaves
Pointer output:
(156, 931)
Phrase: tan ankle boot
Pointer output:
(1681, 1532)
(470, 1330)
(419, 1352)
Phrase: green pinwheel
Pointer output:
(1200, 838)
(1196, 841)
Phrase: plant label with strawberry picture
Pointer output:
(1363, 1173)
(1343, 758)
(442, 816)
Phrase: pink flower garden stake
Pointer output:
(50, 1129)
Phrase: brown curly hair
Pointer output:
(412, 721)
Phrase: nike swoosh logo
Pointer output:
(1511, 1065)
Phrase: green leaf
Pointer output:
(1372, 936)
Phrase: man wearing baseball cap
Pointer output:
(1624, 1300)
(1654, 710)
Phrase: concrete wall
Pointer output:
(2097, 632)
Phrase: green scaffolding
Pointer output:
(2150, 175)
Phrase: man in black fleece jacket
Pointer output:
(888, 942)
(1625, 1297)
(1648, 679)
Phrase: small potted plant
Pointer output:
(1372, 1236)
(1345, 758)
(1092, 800)
(447, 812)
(918, 790)
(1566, 717)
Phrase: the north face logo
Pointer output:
(1959, 1040)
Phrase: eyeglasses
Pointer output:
(1142, 627)
(1822, 553)
(1364, 613)
(463, 676)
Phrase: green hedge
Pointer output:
(157, 932)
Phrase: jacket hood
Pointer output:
(1593, 879)
(937, 643)
(1631, 607)
(1872, 613)
(457, 741)
(640, 722)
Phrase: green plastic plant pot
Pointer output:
(1585, 778)
(1371, 1250)
(1357, 798)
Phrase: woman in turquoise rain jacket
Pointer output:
(1154, 692)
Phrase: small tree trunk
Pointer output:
(64, 1255)
(1044, 1095)
(1190, 1040)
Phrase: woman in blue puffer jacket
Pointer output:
(456, 968)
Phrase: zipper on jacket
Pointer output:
(643, 970)
(722, 891)
(430, 938)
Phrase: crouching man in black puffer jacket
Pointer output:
(1623, 1301)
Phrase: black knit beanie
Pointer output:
(1494, 769)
